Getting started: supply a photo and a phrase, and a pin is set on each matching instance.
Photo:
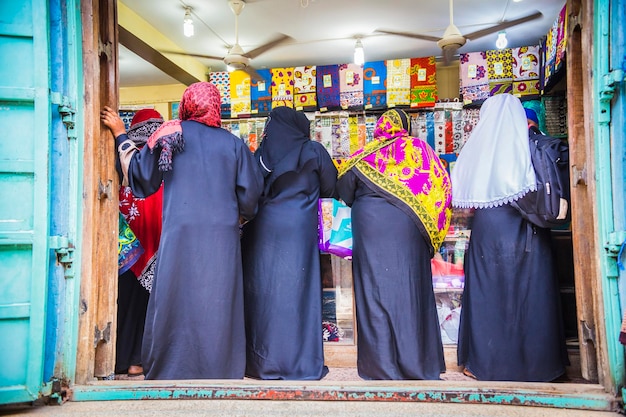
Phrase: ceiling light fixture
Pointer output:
(359, 54)
(501, 42)
(188, 23)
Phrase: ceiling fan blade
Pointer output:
(502, 26)
(253, 74)
(409, 35)
(266, 47)
(193, 55)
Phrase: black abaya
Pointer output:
(132, 303)
(282, 280)
(399, 336)
(511, 327)
(195, 323)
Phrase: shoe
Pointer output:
(467, 372)
(135, 370)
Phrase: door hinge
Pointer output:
(614, 246)
(106, 49)
(579, 175)
(67, 111)
(588, 333)
(65, 253)
(607, 91)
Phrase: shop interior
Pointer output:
(411, 57)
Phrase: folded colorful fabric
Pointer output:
(304, 87)
(398, 82)
(423, 82)
(282, 87)
(328, 87)
(260, 93)
(375, 85)
(351, 86)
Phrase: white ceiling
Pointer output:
(324, 31)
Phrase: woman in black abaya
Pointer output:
(281, 259)
(511, 328)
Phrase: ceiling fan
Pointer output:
(236, 58)
(452, 38)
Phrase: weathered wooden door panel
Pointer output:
(24, 191)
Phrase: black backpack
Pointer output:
(549, 206)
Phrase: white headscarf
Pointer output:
(494, 166)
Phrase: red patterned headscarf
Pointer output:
(201, 103)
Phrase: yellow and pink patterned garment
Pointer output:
(407, 169)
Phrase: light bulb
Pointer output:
(188, 23)
(501, 42)
(359, 54)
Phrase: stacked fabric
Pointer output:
(328, 92)
(351, 87)
(525, 70)
(375, 85)
(398, 82)
(260, 94)
(500, 71)
(423, 82)
(282, 87)
(304, 87)
(474, 81)
(554, 47)
(239, 94)
(221, 79)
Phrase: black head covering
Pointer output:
(286, 130)
(286, 133)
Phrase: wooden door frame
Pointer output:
(97, 309)
(98, 291)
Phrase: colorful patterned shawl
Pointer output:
(408, 173)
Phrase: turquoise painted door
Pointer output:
(30, 255)
(609, 77)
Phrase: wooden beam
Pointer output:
(154, 57)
